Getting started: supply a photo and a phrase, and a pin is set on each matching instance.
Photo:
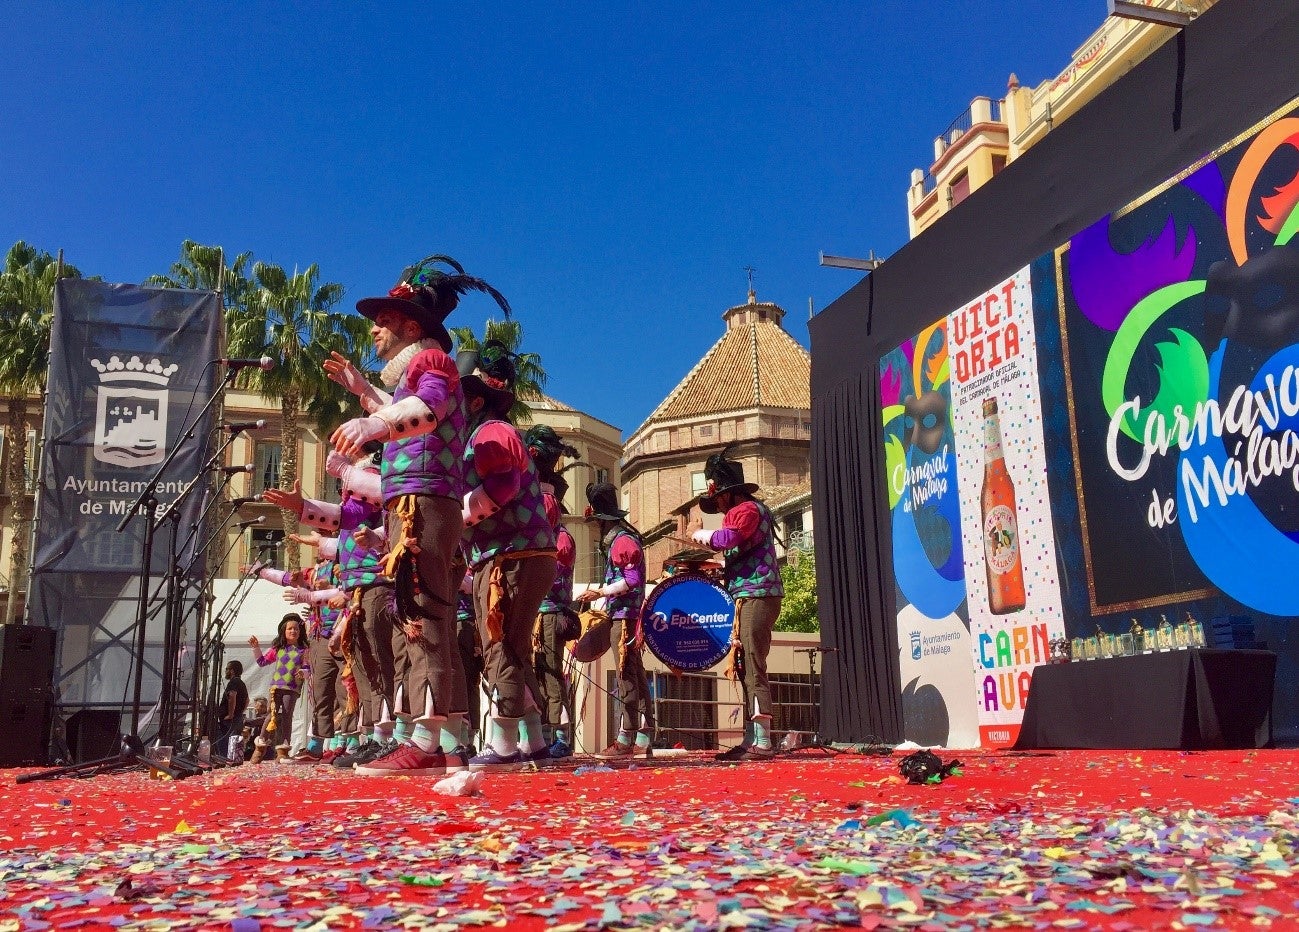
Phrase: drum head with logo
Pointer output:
(687, 622)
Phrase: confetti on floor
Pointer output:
(1074, 839)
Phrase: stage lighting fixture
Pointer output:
(1126, 9)
(869, 264)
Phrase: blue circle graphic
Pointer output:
(687, 622)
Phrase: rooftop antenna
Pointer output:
(752, 294)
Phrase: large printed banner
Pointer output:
(1181, 313)
(1011, 579)
(973, 545)
(129, 366)
(1145, 467)
(928, 552)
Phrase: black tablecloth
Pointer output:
(1188, 699)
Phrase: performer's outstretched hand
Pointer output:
(351, 436)
(340, 369)
(290, 500)
(307, 540)
(590, 595)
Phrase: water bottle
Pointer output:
(205, 751)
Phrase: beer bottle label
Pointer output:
(1000, 538)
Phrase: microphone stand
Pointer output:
(168, 718)
(147, 503)
(212, 641)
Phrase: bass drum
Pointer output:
(687, 622)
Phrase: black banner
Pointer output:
(130, 367)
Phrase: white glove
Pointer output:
(356, 433)
(478, 505)
(297, 595)
(337, 465)
(702, 537)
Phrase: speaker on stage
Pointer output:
(26, 694)
(26, 659)
(25, 723)
(93, 733)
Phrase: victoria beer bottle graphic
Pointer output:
(1001, 550)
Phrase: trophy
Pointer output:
(1195, 631)
(1059, 650)
(1165, 635)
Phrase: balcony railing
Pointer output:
(965, 122)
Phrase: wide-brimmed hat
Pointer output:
(545, 447)
(603, 499)
(426, 295)
(489, 373)
(723, 475)
(595, 639)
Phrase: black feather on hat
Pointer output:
(426, 295)
(723, 475)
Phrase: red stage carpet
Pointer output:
(1119, 840)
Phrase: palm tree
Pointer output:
(290, 319)
(532, 377)
(26, 312)
(199, 268)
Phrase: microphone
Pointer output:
(246, 524)
(237, 426)
(244, 500)
(265, 363)
(231, 470)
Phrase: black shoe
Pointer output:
(367, 752)
(734, 754)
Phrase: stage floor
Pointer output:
(1067, 839)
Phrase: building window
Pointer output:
(698, 484)
(960, 188)
(998, 163)
(266, 467)
(33, 461)
(601, 474)
(705, 430)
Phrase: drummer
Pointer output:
(752, 576)
(624, 593)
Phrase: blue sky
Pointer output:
(612, 168)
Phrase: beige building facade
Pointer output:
(750, 392)
(991, 133)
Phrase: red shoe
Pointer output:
(330, 756)
(302, 757)
(407, 761)
(617, 750)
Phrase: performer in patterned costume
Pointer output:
(747, 537)
(512, 555)
(361, 582)
(624, 594)
(557, 621)
(423, 428)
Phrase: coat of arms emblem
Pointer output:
(131, 412)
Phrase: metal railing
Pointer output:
(688, 708)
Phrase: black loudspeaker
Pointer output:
(26, 659)
(26, 694)
(25, 724)
(92, 734)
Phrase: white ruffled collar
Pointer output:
(392, 372)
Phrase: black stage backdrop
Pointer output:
(1231, 68)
